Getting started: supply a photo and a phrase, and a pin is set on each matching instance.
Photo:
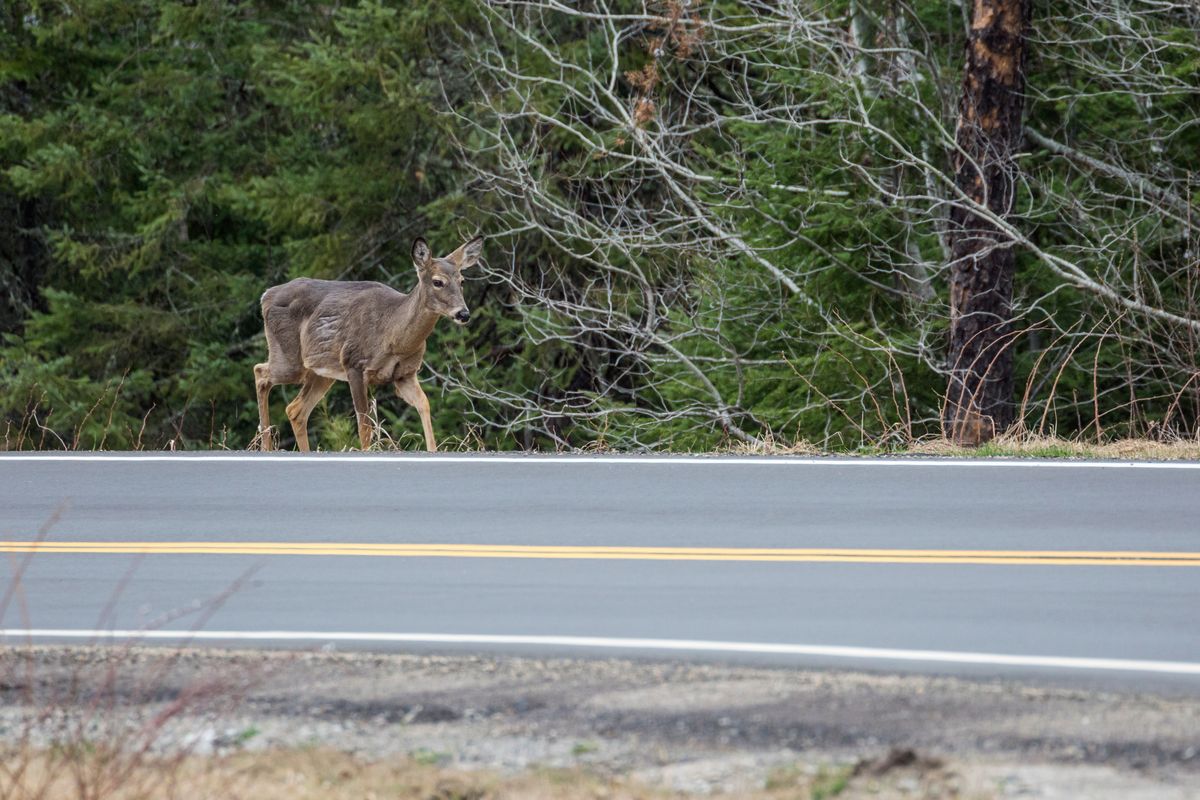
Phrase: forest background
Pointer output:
(709, 223)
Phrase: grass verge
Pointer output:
(325, 774)
(1014, 445)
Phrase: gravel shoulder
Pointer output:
(683, 727)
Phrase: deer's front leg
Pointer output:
(412, 393)
(362, 406)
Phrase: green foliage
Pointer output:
(162, 163)
(193, 155)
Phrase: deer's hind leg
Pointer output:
(312, 390)
(267, 376)
(282, 366)
(262, 388)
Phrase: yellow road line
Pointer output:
(818, 555)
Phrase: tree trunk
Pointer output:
(979, 400)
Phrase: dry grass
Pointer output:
(320, 774)
(1027, 445)
(331, 775)
(1035, 446)
(402, 433)
(1012, 445)
(769, 445)
(109, 734)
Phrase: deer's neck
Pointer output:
(412, 323)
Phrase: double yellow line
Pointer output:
(1122, 558)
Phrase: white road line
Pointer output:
(683, 645)
(543, 460)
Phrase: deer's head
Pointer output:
(441, 278)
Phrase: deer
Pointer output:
(362, 332)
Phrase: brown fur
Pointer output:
(361, 332)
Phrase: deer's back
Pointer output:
(312, 320)
(301, 297)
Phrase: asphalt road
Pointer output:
(1081, 571)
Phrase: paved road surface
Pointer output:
(1050, 568)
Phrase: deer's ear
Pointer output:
(421, 255)
(468, 255)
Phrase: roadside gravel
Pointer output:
(691, 727)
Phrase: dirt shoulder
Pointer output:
(678, 727)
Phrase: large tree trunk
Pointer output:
(979, 401)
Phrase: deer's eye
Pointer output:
(438, 283)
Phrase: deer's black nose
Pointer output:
(463, 315)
